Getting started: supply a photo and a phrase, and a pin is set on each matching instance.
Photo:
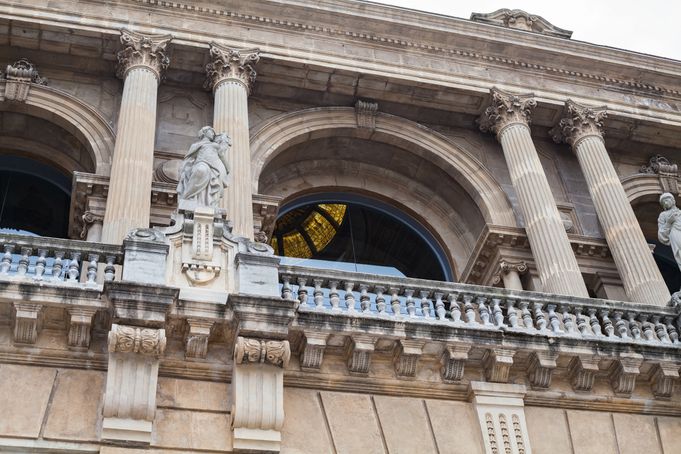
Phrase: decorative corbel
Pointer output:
(582, 371)
(359, 349)
(497, 363)
(196, 340)
(453, 361)
(406, 357)
(313, 351)
(26, 322)
(623, 372)
(540, 369)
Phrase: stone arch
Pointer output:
(74, 116)
(286, 130)
(642, 186)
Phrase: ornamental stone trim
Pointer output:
(582, 371)
(228, 63)
(27, 322)
(131, 339)
(196, 340)
(623, 372)
(506, 109)
(406, 357)
(359, 350)
(313, 351)
(139, 50)
(579, 121)
(366, 113)
(540, 369)
(497, 363)
(453, 362)
(80, 326)
(663, 377)
(249, 350)
(19, 76)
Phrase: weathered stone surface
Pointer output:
(192, 395)
(24, 396)
(405, 425)
(636, 434)
(313, 436)
(182, 429)
(455, 427)
(592, 432)
(555, 440)
(670, 433)
(363, 434)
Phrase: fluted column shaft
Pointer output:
(128, 203)
(230, 75)
(640, 275)
(556, 264)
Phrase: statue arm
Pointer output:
(664, 228)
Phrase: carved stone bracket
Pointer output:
(131, 339)
(231, 64)
(149, 51)
(89, 220)
(540, 369)
(453, 361)
(358, 352)
(582, 371)
(406, 357)
(579, 122)
(497, 363)
(667, 171)
(662, 379)
(365, 113)
(510, 266)
(19, 76)
(26, 322)
(80, 326)
(196, 340)
(506, 109)
(623, 372)
(248, 350)
(313, 351)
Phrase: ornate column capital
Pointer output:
(227, 63)
(149, 51)
(578, 122)
(507, 266)
(506, 109)
(248, 350)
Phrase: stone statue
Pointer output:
(203, 175)
(669, 225)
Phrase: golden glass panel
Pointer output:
(319, 230)
(295, 246)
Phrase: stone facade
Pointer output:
(163, 327)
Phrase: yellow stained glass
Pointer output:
(319, 224)
(295, 246)
(275, 245)
(320, 230)
(335, 210)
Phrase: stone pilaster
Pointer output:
(508, 118)
(581, 128)
(140, 65)
(230, 75)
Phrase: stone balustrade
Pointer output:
(58, 260)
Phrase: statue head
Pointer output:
(207, 132)
(667, 201)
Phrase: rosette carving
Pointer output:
(578, 122)
(131, 339)
(228, 63)
(143, 50)
(248, 350)
(506, 109)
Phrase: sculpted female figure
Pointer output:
(669, 225)
(204, 171)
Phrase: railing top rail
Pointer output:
(477, 290)
(60, 244)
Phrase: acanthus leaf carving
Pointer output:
(521, 20)
(506, 109)
(19, 76)
(578, 122)
(249, 350)
(149, 51)
(132, 339)
(231, 64)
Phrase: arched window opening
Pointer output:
(357, 234)
(34, 198)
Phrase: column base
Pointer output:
(255, 441)
(126, 430)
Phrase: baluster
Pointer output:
(334, 297)
(286, 292)
(469, 309)
(364, 299)
(395, 301)
(92, 269)
(110, 269)
(440, 310)
(607, 323)
(454, 307)
(511, 313)
(425, 303)
(40, 264)
(620, 325)
(497, 313)
(539, 319)
(57, 265)
(74, 267)
(318, 294)
(671, 330)
(411, 305)
(349, 296)
(380, 300)
(553, 318)
(633, 326)
(527, 316)
(567, 318)
(483, 310)
(24, 260)
(660, 330)
(594, 323)
(647, 327)
(581, 321)
(6, 262)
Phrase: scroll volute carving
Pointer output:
(249, 350)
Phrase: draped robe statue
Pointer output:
(203, 175)
(669, 225)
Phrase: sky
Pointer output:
(650, 26)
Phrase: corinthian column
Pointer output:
(230, 76)
(509, 118)
(140, 65)
(582, 129)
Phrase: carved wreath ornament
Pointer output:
(276, 353)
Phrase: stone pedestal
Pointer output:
(230, 76)
(141, 62)
(508, 117)
(582, 129)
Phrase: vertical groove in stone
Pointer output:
(129, 197)
(556, 262)
(642, 280)
(231, 116)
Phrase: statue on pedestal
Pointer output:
(669, 231)
(203, 175)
